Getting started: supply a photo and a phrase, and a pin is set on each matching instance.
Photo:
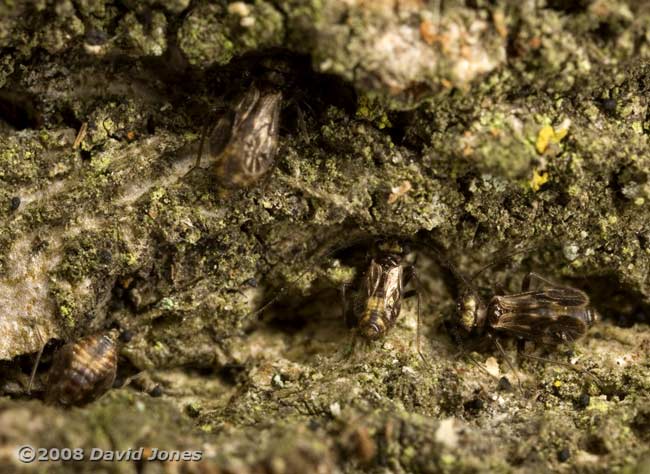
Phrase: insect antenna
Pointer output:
(199, 153)
(504, 259)
(319, 258)
(439, 255)
(598, 380)
(33, 374)
(36, 362)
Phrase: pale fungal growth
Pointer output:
(416, 50)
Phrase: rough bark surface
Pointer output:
(505, 132)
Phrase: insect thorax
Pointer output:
(471, 312)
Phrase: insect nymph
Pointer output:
(245, 140)
(83, 370)
(550, 314)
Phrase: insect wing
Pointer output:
(373, 278)
(562, 296)
(250, 151)
(545, 299)
(563, 328)
(393, 292)
(547, 315)
(263, 140)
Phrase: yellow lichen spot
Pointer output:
(544, 138)
(562, 130)
(383, 122)
(551, 136)
(598, 404)
(157, 194)
(557, 384)
(448, 459)
(131, 259)
(538, 180)
(369, 109)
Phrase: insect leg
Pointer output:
(462, 352)
(347, 317)
(505, 357)
(418, 288)
(473, 360)
(353, 345)
(266, 180)
(598, 380)
(533, 278)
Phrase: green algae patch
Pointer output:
(484, 129)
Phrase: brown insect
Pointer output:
(378, 292)
(378, 300)
(245, 139)
(550, 314)
(83, 370)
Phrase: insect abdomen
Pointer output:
(83, 370)
(373, 323)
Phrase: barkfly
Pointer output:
(378, 291)
(378, 300)
(83, 370)
(549, 313)
(244, 141)
(542, 312)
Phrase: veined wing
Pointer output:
(556, 297)
(548, 327)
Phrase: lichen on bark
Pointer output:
(485, 128)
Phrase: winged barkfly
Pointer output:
(542, 312)
(550, 314)
(83, 370)
(244, 141)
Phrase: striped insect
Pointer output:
(83, 370)
(549, 314)
(376, 303)
(378, 300)
(542, 312)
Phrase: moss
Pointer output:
(203, 38)
(479, 159)
(211, 35)
(146, 40)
